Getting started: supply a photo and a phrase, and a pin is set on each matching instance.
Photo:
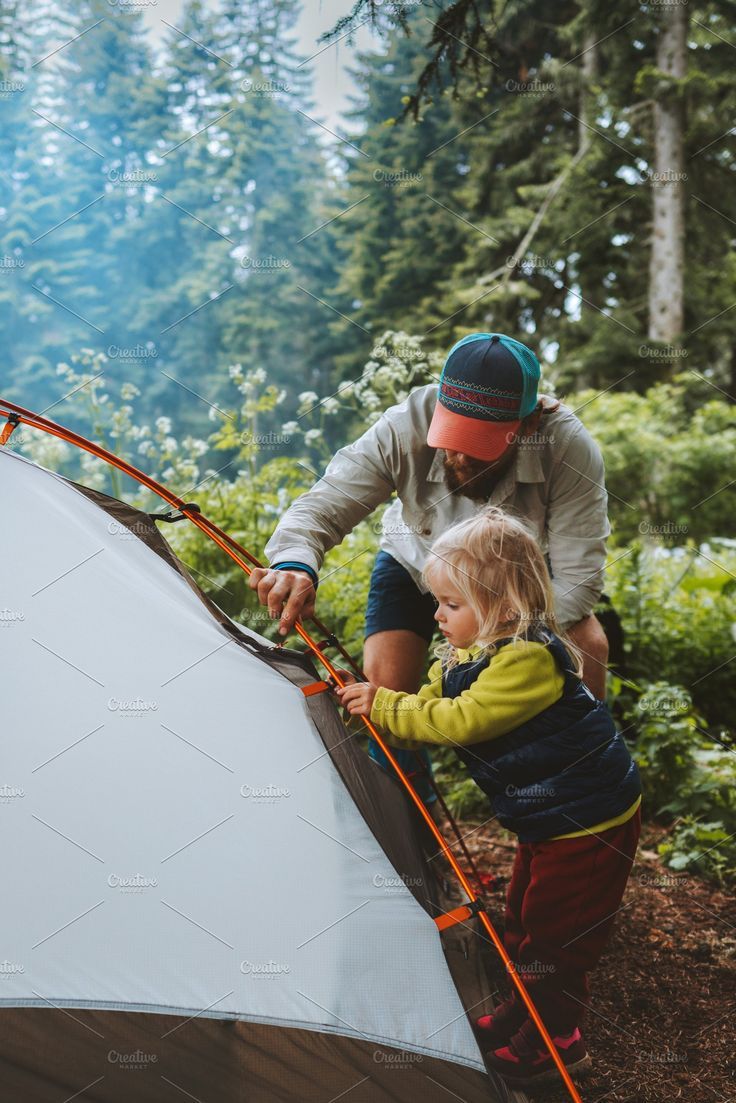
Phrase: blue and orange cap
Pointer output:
(487, 386)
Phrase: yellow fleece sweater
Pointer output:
(520, 681)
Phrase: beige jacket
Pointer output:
(556, 483)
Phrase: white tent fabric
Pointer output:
(180, 841)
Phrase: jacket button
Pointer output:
(426, 532)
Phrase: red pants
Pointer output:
(561, 905)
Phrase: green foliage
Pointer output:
(666, 734)
(464, 798)
(670, 454)
(678, 609)
(705, 848)
(688, 773)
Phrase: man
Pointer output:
(486, 436)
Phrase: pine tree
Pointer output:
(276, 172)
(28, 203)
(405, 228)
(578, 264)
(98, 113)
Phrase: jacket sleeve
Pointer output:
(357, 479)
(431, 690)
(518, 683)
(577, 528)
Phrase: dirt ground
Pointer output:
(662, 1024)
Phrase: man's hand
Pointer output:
(288, 594)
(357, 698)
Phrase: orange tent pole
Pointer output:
(19, 414)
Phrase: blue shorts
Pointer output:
(395, 601)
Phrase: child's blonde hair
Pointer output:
(495, 562)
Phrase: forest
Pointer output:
(200, 274)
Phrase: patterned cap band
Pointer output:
(490, 404)
(491, 377)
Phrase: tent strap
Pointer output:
(12, 423)
(459, 915)
(314, 687)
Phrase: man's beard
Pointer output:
(476, 481)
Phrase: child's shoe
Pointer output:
(526, 1060)
(497, 1028)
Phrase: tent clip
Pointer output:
(459, 915)
(175, 515)
(331, 641)
(10, 425)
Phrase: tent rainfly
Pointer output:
(211, 892)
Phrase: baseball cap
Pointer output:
(487, 386)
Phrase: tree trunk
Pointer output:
(666, 259)
(586, 117)
(589, 68)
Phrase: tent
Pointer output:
(211, 892)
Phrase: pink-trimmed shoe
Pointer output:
(497, 1028)
(526, 1061)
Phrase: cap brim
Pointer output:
(481, 440)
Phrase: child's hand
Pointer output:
(357, 697)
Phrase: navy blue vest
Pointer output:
(565, 769)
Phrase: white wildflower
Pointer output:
(312, 435)
(163, 424)
(290, 427)
(308, 397)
